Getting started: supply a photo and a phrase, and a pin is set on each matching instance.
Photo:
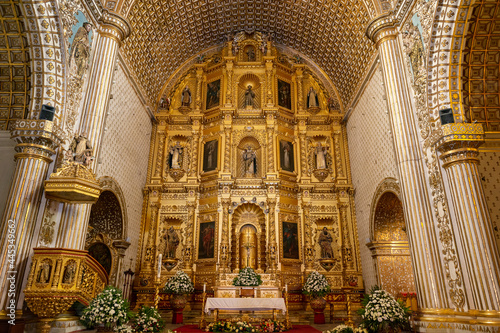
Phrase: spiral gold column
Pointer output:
(422, 234)
(479, 254)
(37, 141)
(112, 30)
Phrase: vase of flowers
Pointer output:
(383, 313)
(179, 285)
(107, 311)
(317, 287)
(148, 320)
(247, 278)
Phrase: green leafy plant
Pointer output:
(247, 278)
(381, 312)
(108, 309)
(179, 284)
(316, 285)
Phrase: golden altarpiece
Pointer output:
(249, 167)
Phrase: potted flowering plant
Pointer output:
(148, 320)
(247, 278)
(316, 287)
(346, 329)
(107, 310)
(272, 326)
(220, 326)
(383, 313)
(179, 285)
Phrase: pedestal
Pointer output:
(177, 317)
(319, 317)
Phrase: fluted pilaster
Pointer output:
(309, 249)
(479, 254)
(273, 245)
(112, 30)
(36, 141)
(426, 258)
(224, 247)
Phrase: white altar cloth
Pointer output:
(245, 304)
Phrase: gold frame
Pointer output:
(202, 153)
(292, 142)
(197, 247)
(289, 260)
(205, 91)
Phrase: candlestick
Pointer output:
(159, 265)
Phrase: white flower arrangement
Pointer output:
(108, 309)
(148, 320)
(346, 329)
(381, 311)
(179, 284)
(247, 278)
(316, 285)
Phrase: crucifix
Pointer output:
(248, 246)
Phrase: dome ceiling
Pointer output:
(330, 33)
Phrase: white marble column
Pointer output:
(425, 249)
(36, 141)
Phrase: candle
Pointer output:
(286, 287)
(159, 265)
(204, 287)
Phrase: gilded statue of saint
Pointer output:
(325, 242)
(172, 241)
(249, 96)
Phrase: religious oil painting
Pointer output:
(102, 254)
(286, 156)
(206, 243)
(210, 151)
(284, 94)
(290, 240)
(213, 94)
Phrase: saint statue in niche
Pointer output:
(325, 242)
(186, 97)
(69, 273)
(320, 156)
(249, 96)
(250, 161)
(175, 156)
(312, 98)
(251, 54)
(44, 272)
(80, 51)
(172, 241)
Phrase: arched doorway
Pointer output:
(389, 246)
(248, 236)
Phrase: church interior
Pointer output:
(356, 138)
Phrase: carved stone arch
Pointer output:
(389, 245)
(110, 184)
(248, 214)
(389, 184)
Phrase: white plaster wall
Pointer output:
(125, 152)
(372, 158)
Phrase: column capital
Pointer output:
(114, 25)
(36, 138)
(459, 143)
(381, 28)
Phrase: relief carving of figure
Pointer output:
(250, 161)
(69, 273)
(186, 97)
(320, 156)
(172, 240)
(81, 149)
(325, 242)
(80, 50)
(249, 96)
(176, 156)
(44, 273)
(312, 98)
(250, 54)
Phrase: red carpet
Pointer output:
(295, 329)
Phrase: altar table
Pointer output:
(245, 304)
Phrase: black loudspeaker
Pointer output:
(47, 112)
(446, 116)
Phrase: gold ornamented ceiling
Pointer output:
(14, 65)
(481, 66)
(167, 33)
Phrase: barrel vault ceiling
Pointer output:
(329, 32)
